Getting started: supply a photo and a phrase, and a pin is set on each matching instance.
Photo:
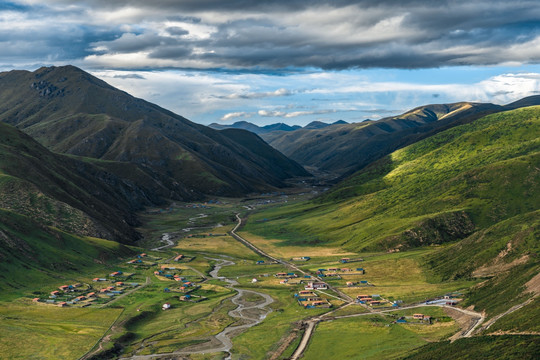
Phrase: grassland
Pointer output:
(44, 332)
(373, 337)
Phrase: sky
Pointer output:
(292, 61)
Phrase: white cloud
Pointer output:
(234, 115)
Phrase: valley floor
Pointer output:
(211, 288)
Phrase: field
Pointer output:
(43, 332)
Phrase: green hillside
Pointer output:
(472, 191)
(440, 189)
(33, 256)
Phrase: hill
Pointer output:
(470, 191)
(345, 148)
(69, 111)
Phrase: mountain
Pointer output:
(245, 125)
(345, 148)
(320, 124)
(69, 111)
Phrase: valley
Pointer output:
(143, 235)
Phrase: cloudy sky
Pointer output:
(291, 61)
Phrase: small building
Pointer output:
(418, 316)
(316, 285)
(350, 283)
(62, 304)
(345, 260)
(35, 299)
(253, 280)
(80, 298)
(116, 273)
(166, 290)
(260, 262)
(451, 302)
(91, 295)
(119, 283)
(166, 306)
(186, 297)
(157, 272)
(55, 292)
(179, 257)
(64, 287)
(143, 255)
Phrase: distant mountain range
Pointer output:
(72, 112)
(272, 127)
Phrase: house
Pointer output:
(375, 302)
(427, 319)
(186, 297)
(401, 321)
(362, 296)
(188, 283)
(350, 283)
(306, 292)
(418, 316)
(178, 278)
(361, 270)
(35, 299)
(62, 304)
(91, 295)
(179, 257)
(284, 281)
(80, 298)
(103, 290)
(157, 272)
(166, 290)
(166, 306)
(143, 255)
(254, 280)
(55, 293)
(333, 269)
(116, 273)
(281, 275)
(260, 262)
(451, 302)
(316, 285)
(345, 260)
(119, 283)
(64, 288)
(76, 285)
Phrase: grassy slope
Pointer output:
(487, 169)
(34, 256)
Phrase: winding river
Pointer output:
(249, 313)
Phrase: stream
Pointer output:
(258, 310)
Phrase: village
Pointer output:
(185, 281)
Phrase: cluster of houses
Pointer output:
(309, 300)
(371, 300)
(71, 294)
(143, 259)
(335, 272)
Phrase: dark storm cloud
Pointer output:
(275, 34)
